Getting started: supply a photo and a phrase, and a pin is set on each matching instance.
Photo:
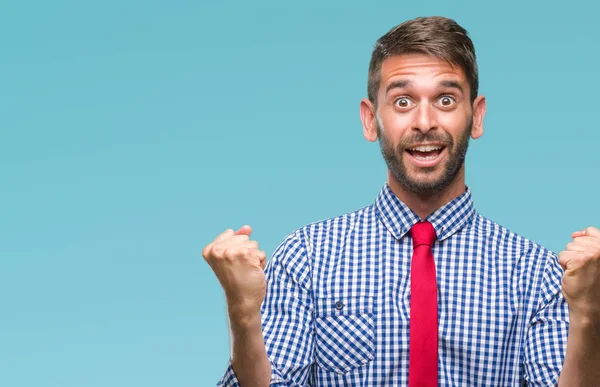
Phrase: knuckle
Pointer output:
(218, 250)
(230, 253)
(244, 256)
(569, 245)
(242, 237)
(206, 251)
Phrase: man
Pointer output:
(417, 289)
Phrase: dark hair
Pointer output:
(436, 36)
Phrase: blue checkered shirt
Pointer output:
(337, 307)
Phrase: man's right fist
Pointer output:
(239, 265)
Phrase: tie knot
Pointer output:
(423, 233)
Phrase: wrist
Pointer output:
(584, 320)
(244, 316)
(586, 325)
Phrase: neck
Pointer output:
(425, 204)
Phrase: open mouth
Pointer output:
(426, 155)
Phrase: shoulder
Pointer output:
(294, 255)
(531, 264)
(534, 267)
(336, 228)
(508, 241)
(325, 231)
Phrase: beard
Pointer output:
(394, 158)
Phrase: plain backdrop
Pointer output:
(133, 132)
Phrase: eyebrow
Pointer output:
(406, 83)
(451, 84)
(397, 85)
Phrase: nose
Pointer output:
(425, 120)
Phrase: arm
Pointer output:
(581, 288)
(273, 345)
(238, 264)
(582, 361)
(249, 356)
(568, 316)
(546, 339)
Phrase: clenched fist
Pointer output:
(581, 280)
(239, 265)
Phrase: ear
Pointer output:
(367, 116)
(478, 114)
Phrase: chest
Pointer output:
(362, 313)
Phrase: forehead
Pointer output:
(419, 68)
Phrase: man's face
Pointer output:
(425, 179)
(423, 120)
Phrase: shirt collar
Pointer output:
(398, 218)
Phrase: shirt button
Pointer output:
(339, 305)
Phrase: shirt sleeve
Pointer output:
(287, 321)
(546, 342)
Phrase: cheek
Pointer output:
(453, 123)
(395, 125)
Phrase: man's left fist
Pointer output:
(581, 280)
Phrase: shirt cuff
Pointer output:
(230, 380)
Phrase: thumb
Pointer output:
(244, 230)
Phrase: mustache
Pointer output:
(420, 137)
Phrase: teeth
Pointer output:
(425, 158)
(426, 148)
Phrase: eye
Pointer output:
(403, 102)
(446, 101)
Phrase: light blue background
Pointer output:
(133, 132)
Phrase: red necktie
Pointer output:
(423, 365)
